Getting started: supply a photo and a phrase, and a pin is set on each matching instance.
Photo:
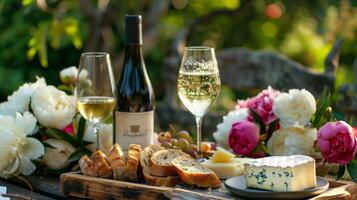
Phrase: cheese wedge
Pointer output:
(222, 155)
(243, 160)
(225, 170)
(281, 173)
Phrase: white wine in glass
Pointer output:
(95, 108)
(198, 83)
(95, 89)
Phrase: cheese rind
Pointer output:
(225, 170)
(281, 173)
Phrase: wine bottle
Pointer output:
(134, 113)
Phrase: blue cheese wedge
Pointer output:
(281, 173)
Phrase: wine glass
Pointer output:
(95, 89)
(198, 83)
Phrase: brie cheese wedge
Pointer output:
(281, 173)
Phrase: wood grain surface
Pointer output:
(77, 185)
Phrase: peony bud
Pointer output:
(243, 137)
(69, 75)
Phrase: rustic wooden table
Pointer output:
(44, 188)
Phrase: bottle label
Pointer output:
(134, 128)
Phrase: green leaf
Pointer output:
(258, 120)
(265, 149)
(71, 29)
(323, 104)
(260, 147)
(81, 129)
(350, 121)
(31, 52)
(65, 88)
(26, 2)
(85, 143)
(272, 128)
(58, 134)
(75, 156)
(340, 172)
(55, 33)
(352, 170)
(37, 43)
(173, 130)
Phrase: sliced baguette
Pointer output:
(100, 161)
(169, 181)
(193, 173)
(132, 165)
(147, 153)
(116, 160)
(145, 164)
(161, 162)
(87, 166)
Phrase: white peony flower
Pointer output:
(17, 150)
(105, 137)
(292, 141)
(294, 108)
(221, 134)
(20, 99)
(52, 107)
(69, 75)
(56, 156)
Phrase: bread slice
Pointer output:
(169, 181)
(87, 166)
(100, 161)
(147, 153)
(161, 162)
(145, 164)
(116, 159)
(132, 165)
(193, 173)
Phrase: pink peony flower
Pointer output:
(262, 104)
(69, 129)
(337, 142)
(243, 137)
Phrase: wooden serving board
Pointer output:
(78, 185)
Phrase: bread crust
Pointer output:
(145, 156)
(147, 153)
(159, 166)
(169, 181)
(203, 179)
(132, 165)
(100, 161)
(87, 166)
(116, 160)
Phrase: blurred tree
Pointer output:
(52, 33)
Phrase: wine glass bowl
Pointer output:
(198, 83)
(95, 88)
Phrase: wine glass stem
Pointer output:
(199, 133)
(96, 132)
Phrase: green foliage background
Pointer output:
(39, 42)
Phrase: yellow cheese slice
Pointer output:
(225, 170)
(222, 155)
